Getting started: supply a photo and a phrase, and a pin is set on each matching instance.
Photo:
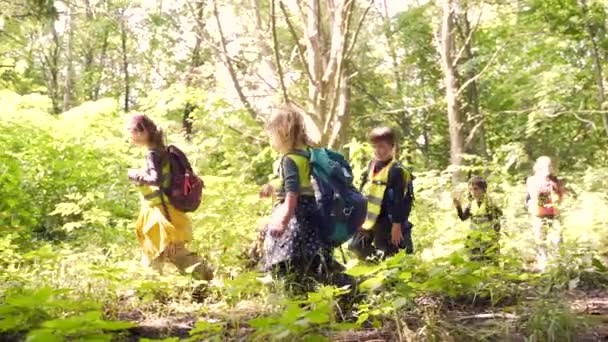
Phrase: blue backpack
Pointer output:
(342, 207)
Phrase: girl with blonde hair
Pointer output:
(545, 193)
(293, 244)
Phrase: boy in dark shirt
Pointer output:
(388, 187)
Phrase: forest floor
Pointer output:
(590, 306)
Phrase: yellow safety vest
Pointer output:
(150, 194)
(303, 164)
(482, 217)
(375, 189)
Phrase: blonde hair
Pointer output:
(287, 129)
(543, 162)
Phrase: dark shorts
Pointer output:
(377, 241)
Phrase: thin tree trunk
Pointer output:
(102, 63)
(388, 35)
(475, 114)
(266, 52)
(597, 63)
(52, 62)
(227, 61)
(125, 61)
(69, 68)
(446, 51)
(277, 56)
(195, 62)
(314, 59)
(342, 117)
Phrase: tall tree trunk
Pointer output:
(477, 139)
(89, 56)
(388, 35)
(102, 63)
(316, 102)
(277, 52)
(69, 67)
(125, 60)
(225, 57)
(446, 52)
(195, 62)
(597, 62)
(51, 61)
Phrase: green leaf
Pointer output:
(399, 302)
(43, 335)
(363, 270)
(373, 283)
(318, 316)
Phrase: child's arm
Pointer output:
(396, 205)
(532, 189)
(153, 173)
(462, 214)
(291, 184)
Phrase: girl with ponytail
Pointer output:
(161, 229)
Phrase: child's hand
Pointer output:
(132, 174)
(456, 203)
(277, 229)
(396, 235)
(266, 191)
(278, 224)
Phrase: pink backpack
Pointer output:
(185, 191)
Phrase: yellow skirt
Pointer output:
(156, 234)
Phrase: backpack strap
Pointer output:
(409, 187)
(302, 153)
(162, 193)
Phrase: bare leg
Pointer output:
(539, 229)
(183, 259)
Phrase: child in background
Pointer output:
(545, 192)
(161, 229)
(483, 241)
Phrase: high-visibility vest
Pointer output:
(151, 194)
(375, 190)
(482, 218)
(301, 159)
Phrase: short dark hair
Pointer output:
(383, 133)
(478, 182)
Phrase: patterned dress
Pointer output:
(300, 249)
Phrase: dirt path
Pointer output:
(591, 306)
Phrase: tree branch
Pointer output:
(297, 40)
(229, 65)
(476, 77)
(275, 40)
(474, 130)
(337, 57)
(359, 26)
(468, 38)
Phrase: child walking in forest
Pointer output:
(293, 244)
(162, 230)
(388, 187)
(545, 193)
(483, 240)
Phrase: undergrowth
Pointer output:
(69, 264)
